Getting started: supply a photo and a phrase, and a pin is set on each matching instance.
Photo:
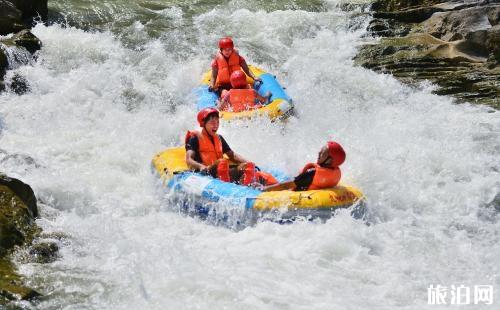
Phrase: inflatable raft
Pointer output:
(280, 104)
(205, 196)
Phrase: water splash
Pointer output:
(102, 105)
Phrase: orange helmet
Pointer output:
(336, 153)
(226, 42)
(204, 114)
(238, 79)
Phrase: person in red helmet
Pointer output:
(325, 173)
(205, 152)
(226, 62)
(241, 96)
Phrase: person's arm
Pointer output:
(192, 163)
(215, 71)
(245, 68)
(223, 103)
(280, 187)
(300, 182)
(236, 157)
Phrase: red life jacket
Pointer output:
(226, 67)
(209, 151)
(323, 177)
(242, 99)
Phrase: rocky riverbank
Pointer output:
(18, 44)
(18, 211)
(453, 44)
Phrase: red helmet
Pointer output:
(226, 42)
(336, 152)
(206, 112)
(238, 79)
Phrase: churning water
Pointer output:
(112, 86)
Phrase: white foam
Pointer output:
(98, 111)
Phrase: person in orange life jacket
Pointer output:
(241, 97)
(205, 150)
(226, 62)
(325, 173)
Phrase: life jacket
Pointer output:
(265, 178)
(242, 99)
(323, 177)
(226, 67)
(209, 151)
(251, 175)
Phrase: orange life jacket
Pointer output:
(251, 175)
(209, 151)
(323, 177)
(226, 67)
(265, 178)
(242, 99)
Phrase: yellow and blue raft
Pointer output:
(279, 106)
(200, 194)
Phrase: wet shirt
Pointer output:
(304, 180)
(193, 144)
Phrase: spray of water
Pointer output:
(102, 103)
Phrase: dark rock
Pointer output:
(32, 9)
(15, 220)
(389, 50)
(23, 191)
(10, 18)
(11, 285)
(381, 27)
(19, 84)
(377, 25)
(409, 16)
(4, 62)
(391, 5)
(16, 228)
(44, 252)
(27, 40)
(493, 45)
(475, 44)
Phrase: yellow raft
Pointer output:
(205, 192)
(280, 104)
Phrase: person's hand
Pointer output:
(212, 88)
(204, 170)
(257, 186)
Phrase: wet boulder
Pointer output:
(17, 213)
(26, 39)
(18, 210)
(4, 62)
(10, 18)
(32, 9)
(44, 252)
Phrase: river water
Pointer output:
(112, 86)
